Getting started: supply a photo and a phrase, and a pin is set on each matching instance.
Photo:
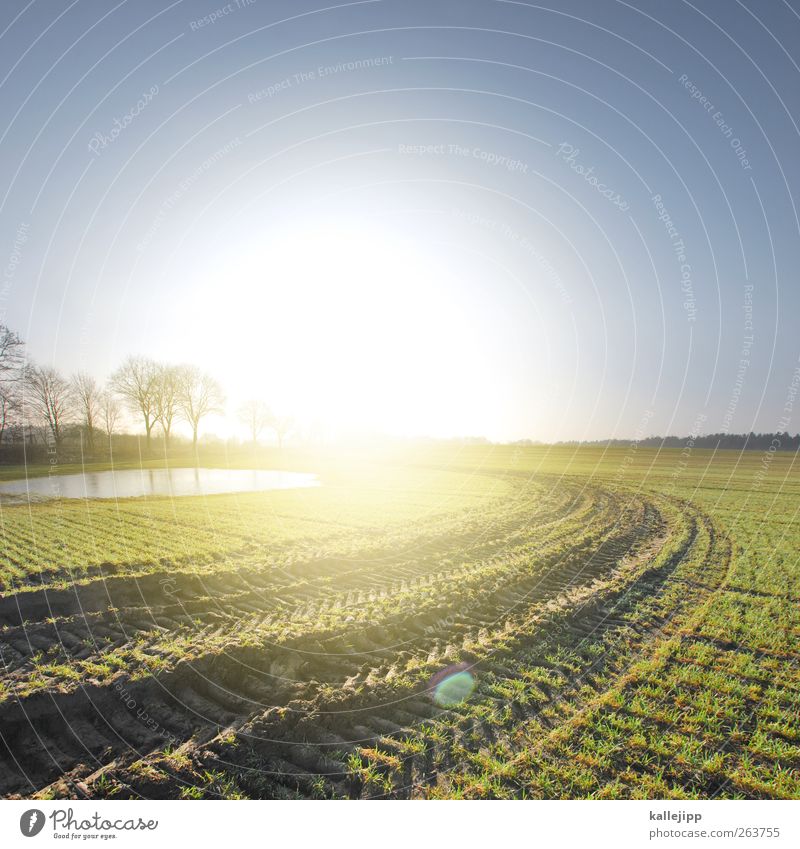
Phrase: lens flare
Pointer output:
(452, 686)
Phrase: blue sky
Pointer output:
(510, 219)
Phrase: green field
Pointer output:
(444, 622)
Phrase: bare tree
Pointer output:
(255, 415)
(283, 426)
(137, 382)
(110, 412)
(11, 350)
(10, 353)
(167, 389)
(198, 395)
(87, 396)
(9, 407)
(50, 397)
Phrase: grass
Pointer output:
(630, 619)
(60, 542)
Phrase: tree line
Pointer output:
(778, 441)
(39, 405)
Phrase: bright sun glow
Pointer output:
(353, 328)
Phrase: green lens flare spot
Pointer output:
(454, 689)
